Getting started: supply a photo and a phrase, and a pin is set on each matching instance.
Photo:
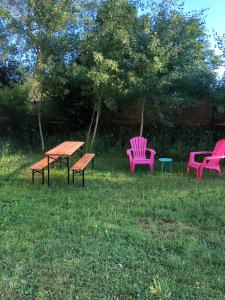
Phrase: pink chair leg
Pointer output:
(132, 166)
(188, 169)
(151, 166)
(199, 173)
(219, 171)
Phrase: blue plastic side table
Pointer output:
(166, 160)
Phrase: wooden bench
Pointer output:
(39, 167)
(81, 165)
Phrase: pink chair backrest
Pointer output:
(219, 148)
(138, 145)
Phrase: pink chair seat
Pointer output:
(137, 153)
(194, 164)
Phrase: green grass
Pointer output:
(122, 236)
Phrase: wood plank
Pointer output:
(65, 149)
(43, 163)
(83, 162)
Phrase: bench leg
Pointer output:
(32, 176)
(73, 176)
(83, 178)
(48, 172)
(43, 177)
(93, 164)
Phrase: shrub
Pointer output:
(13, 110)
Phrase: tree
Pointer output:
(104, 50)
(160, 58)
(171, 47)
(221, 42)
(10, 72)
(41, 29)
(103, 79)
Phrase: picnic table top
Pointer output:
(64, 149)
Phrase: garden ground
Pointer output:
(122, 236)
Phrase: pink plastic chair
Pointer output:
(211, 162)
(137, 153)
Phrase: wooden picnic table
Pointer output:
(65, 149)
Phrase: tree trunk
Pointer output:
(142, 117)
(95, 128)
(40, 131)
(89, 128)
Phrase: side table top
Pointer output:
(165, 159)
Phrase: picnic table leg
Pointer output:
(48, 172)
(68, 168)
(33, 176)
(81, 151)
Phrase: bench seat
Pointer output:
(39, 166)
(81, 164)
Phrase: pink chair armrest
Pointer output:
(152, 152)
(193, 154)
(216, 157)
(129, 153)
(201, 152)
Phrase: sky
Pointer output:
(214, 16)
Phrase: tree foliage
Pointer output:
(104, 53)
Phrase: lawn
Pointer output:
(122, 236)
